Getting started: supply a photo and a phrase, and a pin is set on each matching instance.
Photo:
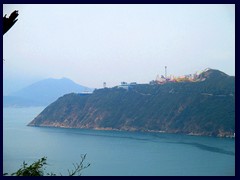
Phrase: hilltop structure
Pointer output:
(200, 108)
(184, 78)
(126, 85)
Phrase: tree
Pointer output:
(38, 168)
(9, 22)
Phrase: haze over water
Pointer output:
(112, 152)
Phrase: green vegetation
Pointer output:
(203, 108)
(38, 168)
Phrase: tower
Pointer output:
(165, 71)
(104, 84)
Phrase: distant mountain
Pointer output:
(43, 92)
(205, 107)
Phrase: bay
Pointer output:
(112, 153)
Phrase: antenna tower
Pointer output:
(165, 71)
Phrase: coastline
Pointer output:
(222, 135)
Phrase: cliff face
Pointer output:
(199, 108)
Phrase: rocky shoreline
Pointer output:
(222, 135)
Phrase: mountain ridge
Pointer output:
(43, 92)
(197, 108)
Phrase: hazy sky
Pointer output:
(92, 44)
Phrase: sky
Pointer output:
(92, 44)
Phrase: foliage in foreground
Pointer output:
(38, 168)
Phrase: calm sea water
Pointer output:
(111, 152)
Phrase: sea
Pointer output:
(112, 153)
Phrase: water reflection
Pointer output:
(207, 148)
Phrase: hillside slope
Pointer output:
(199, 108)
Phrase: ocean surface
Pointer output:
(112, 153)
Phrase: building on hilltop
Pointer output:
(126, 86)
